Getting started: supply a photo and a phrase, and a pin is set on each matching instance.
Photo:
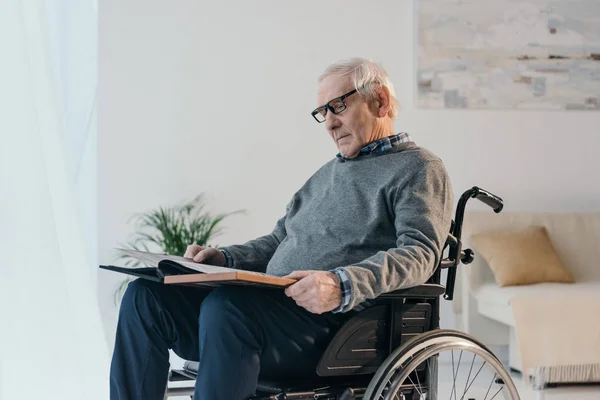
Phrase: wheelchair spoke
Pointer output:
(415, 386)
(452, 372)
(499, 390)
(468, 377)
(475, 377)
(455, 375)
(419, 382)
(491, 383)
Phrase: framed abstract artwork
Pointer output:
(508, 54)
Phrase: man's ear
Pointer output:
(384, 101)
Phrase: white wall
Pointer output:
(215, 97)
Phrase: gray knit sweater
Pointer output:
(383, 217)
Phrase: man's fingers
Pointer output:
(192, 250)
(297, 288)
(300, 286)
(201, 256)
(304, 296)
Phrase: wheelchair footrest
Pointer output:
(178, 375)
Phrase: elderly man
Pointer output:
(372, 220)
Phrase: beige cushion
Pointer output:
(521, 257)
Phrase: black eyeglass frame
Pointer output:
(328, 107)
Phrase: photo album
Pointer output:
(176, 270)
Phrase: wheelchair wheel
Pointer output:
(412, 371)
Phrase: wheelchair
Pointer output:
(392, 349)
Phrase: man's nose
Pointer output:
(332, 121)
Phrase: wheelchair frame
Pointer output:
(360, 347)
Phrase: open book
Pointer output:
(171, 270)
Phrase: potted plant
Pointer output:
(171, 229)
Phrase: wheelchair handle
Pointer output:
(456, 255)
(495, 202)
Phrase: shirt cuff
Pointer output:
(346, 287)
(228, 258)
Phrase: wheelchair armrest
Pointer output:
(425, 291)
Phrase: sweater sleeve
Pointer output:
(254, 255)
(422, 216)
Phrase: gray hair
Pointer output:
(367, 77)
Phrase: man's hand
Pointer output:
(316, 291)
(205, 255)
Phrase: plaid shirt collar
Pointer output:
(381, 145)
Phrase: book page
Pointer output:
(205, 268)
(152, 260)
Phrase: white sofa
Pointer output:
(484, 307)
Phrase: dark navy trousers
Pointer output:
(235, 332)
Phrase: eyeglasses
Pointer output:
(336, 106)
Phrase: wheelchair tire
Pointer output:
(398, 376)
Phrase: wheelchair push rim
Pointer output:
(399, 375)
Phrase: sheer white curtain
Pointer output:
(52, 343)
